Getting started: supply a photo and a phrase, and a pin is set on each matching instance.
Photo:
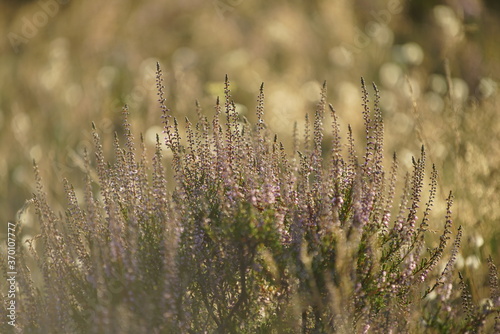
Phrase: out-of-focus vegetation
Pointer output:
(66, 63)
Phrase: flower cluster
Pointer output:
(249, 238)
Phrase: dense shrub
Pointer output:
(250, 238)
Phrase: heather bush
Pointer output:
(250, 237)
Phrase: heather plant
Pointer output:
(249, 238)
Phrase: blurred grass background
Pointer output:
(66, 63)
